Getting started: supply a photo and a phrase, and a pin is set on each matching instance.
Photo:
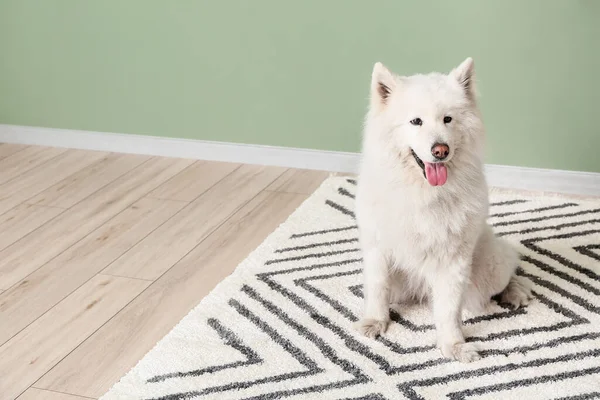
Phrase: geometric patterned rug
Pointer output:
(281, 325)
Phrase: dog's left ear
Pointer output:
(383, 83)
(465, 75)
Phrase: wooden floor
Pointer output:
(101, 254)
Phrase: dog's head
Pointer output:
(427, 118)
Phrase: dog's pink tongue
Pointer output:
(436, 173)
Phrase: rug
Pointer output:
(281, 325)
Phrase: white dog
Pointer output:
(422, 205)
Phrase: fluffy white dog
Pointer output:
(422, 205)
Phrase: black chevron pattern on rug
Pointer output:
(572, 319)
(408, 388)
(311, 368)
(308, 293)
(590, 250)
(230, 339)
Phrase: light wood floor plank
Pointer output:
(193, 181)
(44, 176)
(164, 247)
(40, 394)
(8, 149)
(40, 291)
(30, 253)
(22, 220)
(36, 349)
(109, 353)
(22, 161)
(82, 184)
(301, 181)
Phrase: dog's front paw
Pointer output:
(371, 327)
(462, 352)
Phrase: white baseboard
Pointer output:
(180, 148)
(534, 179)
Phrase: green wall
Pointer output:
(296, 73)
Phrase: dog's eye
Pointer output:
(447, 120)
(417, 121)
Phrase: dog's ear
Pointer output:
(383, 83)
(465, 75)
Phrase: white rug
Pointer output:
(280, 326)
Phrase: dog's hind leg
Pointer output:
(517, 293)
(494, 272)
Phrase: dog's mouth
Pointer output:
(420, 162)
(435, 173)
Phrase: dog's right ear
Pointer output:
(465, 75)
(383, 83)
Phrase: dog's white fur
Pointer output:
(423, 242)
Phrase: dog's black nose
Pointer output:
(440, 151)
